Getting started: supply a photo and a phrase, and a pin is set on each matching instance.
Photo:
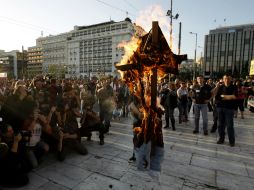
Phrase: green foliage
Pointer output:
(56, 70)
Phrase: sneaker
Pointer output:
(101, 142)
(166, 126)
(220, 141)
(232, 144)
(132, 159)
(80, 148)
(195, 132)
(205, 133)
(154, 174)
(213, 130)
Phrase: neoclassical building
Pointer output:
(87, 50)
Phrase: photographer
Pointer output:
(52, 132)
(90, 121)
(11, 110)
(70, 110)
(37, 148)
(14, 167)
(49, 119)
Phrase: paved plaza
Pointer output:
(191, 162)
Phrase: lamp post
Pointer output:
(195, 55)
(170, 14)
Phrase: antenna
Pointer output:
(127, 14)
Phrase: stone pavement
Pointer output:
(191, 162)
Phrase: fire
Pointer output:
(129, 48)
(146, 61)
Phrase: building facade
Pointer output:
(54, 51)
(34, 63)
(229, 49)
(13, 63)
(92, 50)
(87, 50)
(7, 65)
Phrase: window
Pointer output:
(124, 26)
(247, 41)
(118, 26)
(230, 53)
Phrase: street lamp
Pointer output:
(195, 55)
(170, 14)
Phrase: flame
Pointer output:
(129, 49)
(145, 62)
(157, 13)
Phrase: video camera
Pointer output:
(26, 134)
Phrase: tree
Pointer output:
(56, 70)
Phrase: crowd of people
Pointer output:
(223, 97)
(48, 114)
(40, 115)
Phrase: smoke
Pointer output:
(156, 13)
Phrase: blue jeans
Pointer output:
(156, 158)
(226, 118)
(183, 110)
(204, 111)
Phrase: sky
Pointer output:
(21, 21)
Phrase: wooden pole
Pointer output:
(155, 41)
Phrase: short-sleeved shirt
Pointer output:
(226, 90)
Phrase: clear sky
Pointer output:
(21, 21)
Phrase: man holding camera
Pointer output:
(90, 120)
(14, 167)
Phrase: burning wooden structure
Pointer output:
(151, 61)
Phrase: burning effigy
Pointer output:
(147, 60)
